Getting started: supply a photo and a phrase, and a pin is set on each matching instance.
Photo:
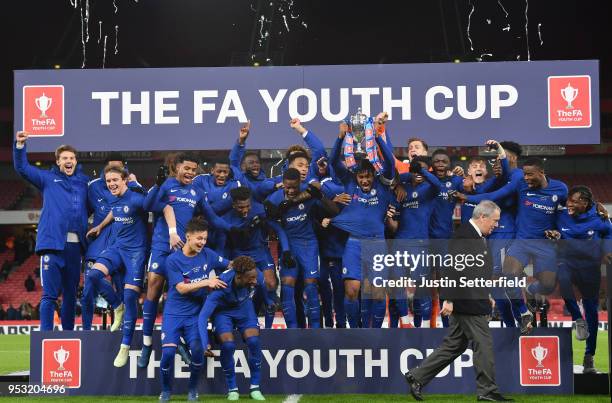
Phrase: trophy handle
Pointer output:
(51, 103)
(37, 102)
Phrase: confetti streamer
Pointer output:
(100, 32)
(470, 24)
(116, 39)
(104, 56)
(540, 34)
(527, 29)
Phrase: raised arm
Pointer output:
(239, 148)
(21, 164)
(312, 141)
(501, 193)
(389, 159)
(340, 170)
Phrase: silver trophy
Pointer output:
(61, 356)
(568, 94)
(539, 353)
(358, 122)
(43, 103)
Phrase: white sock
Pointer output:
(125, 345)
(405, 320)
(425, 324)
(147, 340)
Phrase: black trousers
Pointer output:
(463, 329)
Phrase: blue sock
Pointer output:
(47, 311)
(313, 308)
(351, 306)
(104, 287)
(590, 312)
(197, 362)
(379, 308)
(254, 359)
(149, 313)
(129, 320)
(515, 295)
(366, 312)
(270, 311)
(426, 308)
(166, 368)
(228, 365)
(393, 314)
(87, 304)
(416, 308)
(573, 309)
(325, 291)
(504, 306)
(288, 303)
(338, 293)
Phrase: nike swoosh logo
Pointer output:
(313, 272)
(564, 229)
(173, 190)
(531, 194)
(57, 180)
(99, 200)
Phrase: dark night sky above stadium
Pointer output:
(164, 33)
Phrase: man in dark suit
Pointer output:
(468, 308)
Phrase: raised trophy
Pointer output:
(569, 93)
(357, 126)
(43, 103)
(61, 356)
(539, 353)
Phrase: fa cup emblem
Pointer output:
(43, 103)
(539, 353)
(61, 356)
(569, 93)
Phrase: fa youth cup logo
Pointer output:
(43, 103)
(61, 356)
(539, 353)
(540, 361)
(569, 93)
(569, 101)
(61, 362)
(43, 110)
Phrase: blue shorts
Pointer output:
(98, 245)
(306, 255)
(541, 252)
(263, 258)
(132, 260)
(157, 262)
(351, 259)
(242, 318)
(175, 327)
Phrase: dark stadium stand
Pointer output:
(10, 193)
(600, 184)
(12, 290)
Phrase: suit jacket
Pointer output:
(467, 242)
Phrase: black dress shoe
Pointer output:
(493, 397)
(415, 386)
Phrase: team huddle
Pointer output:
(211, 234)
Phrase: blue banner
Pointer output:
(310, 361)
(454, 104)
